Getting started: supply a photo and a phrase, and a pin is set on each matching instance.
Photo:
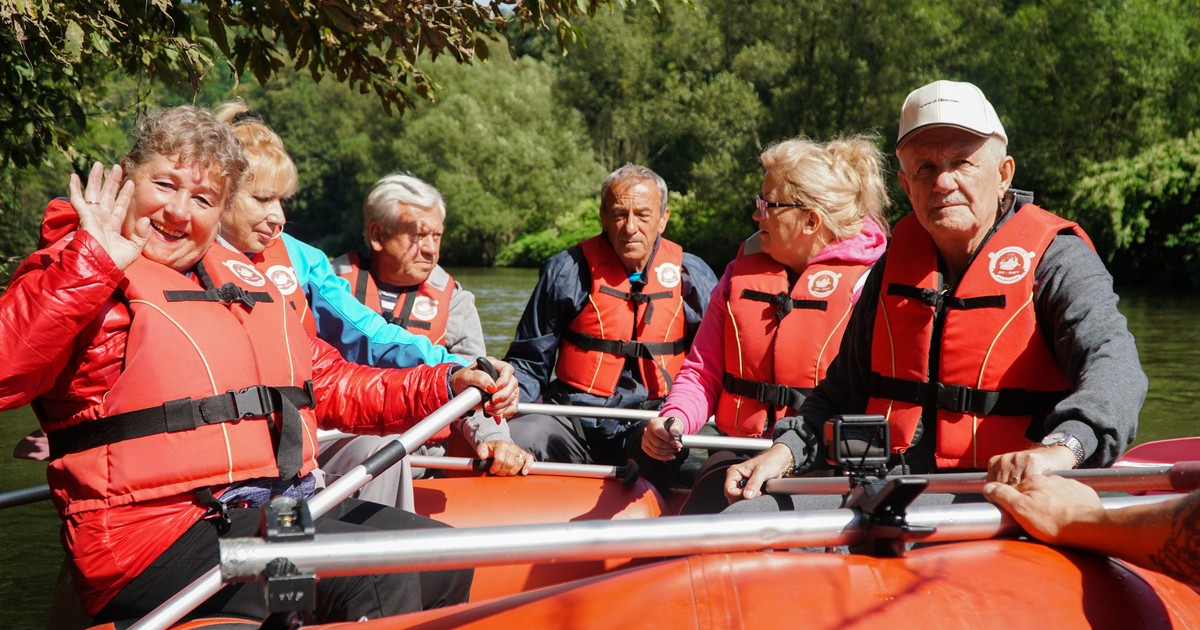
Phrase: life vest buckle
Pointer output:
(252, 402)
(952, 397)
(229, 293)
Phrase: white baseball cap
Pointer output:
(951, 104)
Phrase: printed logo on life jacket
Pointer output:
(424, 308)
(668, 274)
(283, 277)
(1010, 265)
(246, 273)
(823, 283)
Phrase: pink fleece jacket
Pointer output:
(693, 397)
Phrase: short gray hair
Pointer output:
(638, 172)
(395, 189)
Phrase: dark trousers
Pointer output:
(566, 440)
(338, 599)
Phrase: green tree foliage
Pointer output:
(506, 154)
(70, 63)
(54, 56)
(694, 90)
(696, 94)
(1077, 83)
(1145, 212)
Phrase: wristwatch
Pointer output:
(1059, 438)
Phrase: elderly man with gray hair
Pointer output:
(988, 335)
(608, 325)
(399, 278)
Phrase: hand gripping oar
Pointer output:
(718, 442)
(208, 584)
(587, 471)
(1180, 477)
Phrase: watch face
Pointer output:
(1058, 437)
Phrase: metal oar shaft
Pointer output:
(438, 549)
(714, 442)
(208, 584)
(1179, 477)
(573, 411)
(354, 479)
(13, 498)
(536, 468)
(720, 442)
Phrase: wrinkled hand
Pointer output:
(745, 480)
(662, 443)
(102, 207)
(1012, 468)
(34, 446)
(1046, 505)
(504, 390)
(508, 459)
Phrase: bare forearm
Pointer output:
(1162, 536)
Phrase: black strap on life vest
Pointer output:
(963, 399)
(407, 298)
(226, 294)
(186, 414)
(637, 297)
(783, 302)
(770, 393)
(939, 300)
(631, 349)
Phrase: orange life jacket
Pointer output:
(188, 343)
(995, 372)
(422, 310)
(621, 321)
(779, 338)
(276, 264)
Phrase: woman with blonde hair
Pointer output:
(777, 316)
(254, 226)
(180, 394)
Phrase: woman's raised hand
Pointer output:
(102, 207)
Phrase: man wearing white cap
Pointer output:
(988, 335)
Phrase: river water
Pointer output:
(1165, 326)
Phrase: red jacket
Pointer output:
(64, 330)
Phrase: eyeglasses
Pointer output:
(762, 205)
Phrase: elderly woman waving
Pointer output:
(179, 391)
(777, 316)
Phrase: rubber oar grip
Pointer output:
(485, 365)
(1185, 476)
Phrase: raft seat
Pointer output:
(496, 501)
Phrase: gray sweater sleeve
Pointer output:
(464, 337)
(1077, 308)
(464, 332)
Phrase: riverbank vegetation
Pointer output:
(1099, 100)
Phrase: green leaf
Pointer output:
(73, 42)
